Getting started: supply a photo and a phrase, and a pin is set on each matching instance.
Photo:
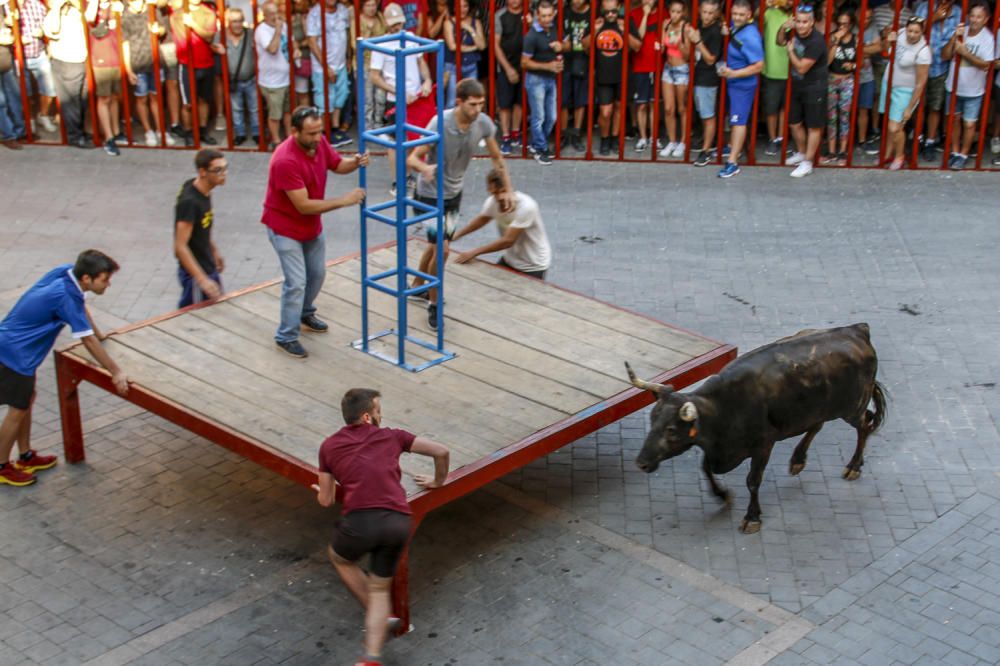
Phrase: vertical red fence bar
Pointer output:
(955, 65)
(828, 11)
(720, 115)
(527, 26)
(560, 29)
(859, 60)
(227, 92)
(123, 75)
(491, 59)
(592, 51)
(984, 115)
(91, 83)
(687, 127)
(325, 64)
(192, 80)
(788, 98)
(753, 129)
(623, 101)
(655, 117)
(262, 123)
(457, 19)
(888, 81)
(154, 43)
(919, 127)
(22, 66)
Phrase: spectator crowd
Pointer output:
(909, 81)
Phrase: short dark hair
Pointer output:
(980, 5)
(204, 158)
(356, 403)
(545, 4)
(300, 114)
(494, 179)
(746, 4)
(93, 263)
(467, 88)
(709, 2)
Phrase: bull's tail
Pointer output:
(877, 418)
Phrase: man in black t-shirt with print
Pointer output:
(609, 46)
(199, 261)
(808, 67)
(576, 81)
(707, 42)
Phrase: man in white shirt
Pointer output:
(335, 19)
(271, 40)
(522, 234)
(975, 47)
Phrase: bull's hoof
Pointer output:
(851, 474)
(750, 526)
(795, 468)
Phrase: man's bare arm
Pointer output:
(97, 350)
(439, 452)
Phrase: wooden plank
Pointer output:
(542, 330)
(579, 306)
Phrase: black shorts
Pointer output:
(16, 389)
(772, 95)
(641, 87)
(508, 94)
(204, 80)
(608, 94)
(809, 107)
(451, 208)
(381, 532)
(574, 92)
(535, 274)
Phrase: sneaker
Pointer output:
(111, 148)
(795, 158)
(995, 161)
(177, 131)
(929, 151)
(515, 139)
(641, 145)
(419, 297)
(315, 324)
(994, 143)
(121, 138)
(896, 164)
(392, 189)
(151, 139)
(543, 157)
(957, 162)
(669, 149)
(729, 170)
(10, 475)
(49, 126)
(773, 147)
(207, 138)
(803, 169)
(830, 160)
(578, 143)
(293, 347)
(704, 157)
(605, 145)
(532, 151)
(432, 316)
(505, 147)
(842, 156)
(239, 140)
(255, 139)
(678, 150)
(338, 139)
(411, 185)
(34, 462)
(171, 141)
(220, 124)
(82, 142)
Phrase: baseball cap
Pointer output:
(393, 14)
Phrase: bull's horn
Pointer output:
(644, 385)
(688, 412)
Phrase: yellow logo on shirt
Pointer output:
(206, 220)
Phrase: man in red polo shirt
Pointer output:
(375, 516)
(194, 31)
(295, 199)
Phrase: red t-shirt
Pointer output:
(203, 56)
(292, 169)
(364, 459)
(644, 60)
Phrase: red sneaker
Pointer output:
(36, 462)
(15, 477)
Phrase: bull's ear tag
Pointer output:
(692, 432)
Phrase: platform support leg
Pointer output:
(69, 410)
(401, 583)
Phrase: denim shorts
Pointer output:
(675, 75)
(705, 98)
(968, 107)
(144, 84)
(866, 95)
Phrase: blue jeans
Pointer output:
(11, 113)
(304, 267)
(42, 69)
(244, 98)
(469, 71)
(542, 100)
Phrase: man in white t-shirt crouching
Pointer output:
(522, 233)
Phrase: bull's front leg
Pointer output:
(718, 489)
(751, 521)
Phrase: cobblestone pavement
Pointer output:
(165, 549)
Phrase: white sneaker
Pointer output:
(678, 150)
(669, 150)
(995, 145)
(220, 124)
(641, 145)
(49, 126)
(804, 168)
(171, 141)
(795, 158)
(151, 139)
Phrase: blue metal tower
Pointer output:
(394, 211)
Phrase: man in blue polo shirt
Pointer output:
(744, 61)
(27, 335)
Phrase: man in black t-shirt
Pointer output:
(199, 261)
(609, 46)
(576, 83)
(808, 67)
(707, 43)
(542, 62)
(508, 33)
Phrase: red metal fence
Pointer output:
(988, 121)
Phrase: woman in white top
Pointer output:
(909, 77)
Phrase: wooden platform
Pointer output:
(537, 367)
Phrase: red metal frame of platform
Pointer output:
(71, 370)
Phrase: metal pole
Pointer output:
(752, 129)
(654, 130)
(984, 115)
(21, 61)
(788, 99)
(590, 81)
(685, 132)
(623, 101)
(859, 62)
(439, 175)
(953, 97)
(362, 183)
(720, 129)
(525, 107)
(220, 9)
(123, 75)
(400, 176)
(919, 127)
(324, 63)
(261, 118)
(91, 86)
(560, 21)
(492, 60)
(154, 43)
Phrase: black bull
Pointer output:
(787, 388)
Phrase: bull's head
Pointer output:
(673, 425)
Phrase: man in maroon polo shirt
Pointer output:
(296, 187)
(375, 516)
